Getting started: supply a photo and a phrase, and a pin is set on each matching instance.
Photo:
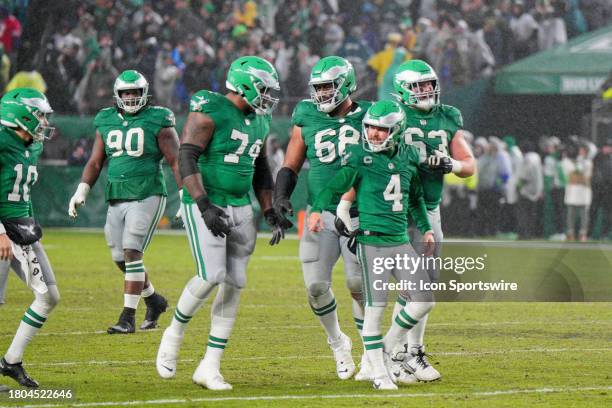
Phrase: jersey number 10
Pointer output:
(30, 179)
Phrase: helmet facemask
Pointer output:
(42, 131)
(326, 95)
(131, 104)
(419, 98)
(266, 100)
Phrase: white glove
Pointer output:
(78, 199)
(179, 213)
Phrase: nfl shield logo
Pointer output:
(423, 122)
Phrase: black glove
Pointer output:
(351, 244)
(341, 228)
(441, 164)
(278, 224)
(214, 217)
(282, 206)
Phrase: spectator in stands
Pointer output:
(578, 170)
(5, 68)
(81, 152)
(552, 30)
(554, 187)
(509, 211)
(493, 174)
(601, 208)
(87, 36)
(10, 30)
(166, 76)
(28, 77)
(381, 61)
(197, 74)
(530, 183)
(525, 29)
(95, 91)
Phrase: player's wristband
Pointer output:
(343, 212)
(457, 166)
(203, 203)
(82, 190)
(2, 230)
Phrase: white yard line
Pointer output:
(463, 394)
(313, 326)
(324, 357)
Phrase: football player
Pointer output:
(220, 159)
(24, 127)
(323, 128)
(436, 130)
(383, 176)
(134, 137)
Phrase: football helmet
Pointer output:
(27, 109)
(332, 80)
(410, 84)
(256, 80)
(387, 115)
(129, 80)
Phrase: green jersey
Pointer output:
(17, 174)
(227, 164)
(387, 186)
(326, 138)
(134, 158)
(431, 131)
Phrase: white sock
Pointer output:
(148, 291)
(134, 272)
(373, 341)
(324, 307)
(30, 323)
(223, 315)
(405, 320)
(131, 301)
(358, 316)
(416, 335)
(195, 293)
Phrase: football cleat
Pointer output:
(384, 383)
(167, 355)
(345, 366)
(420, 367)
(395, 365)
(156, 305)
(210, 378)
(365, 369)
(126, 324)
(17, 373)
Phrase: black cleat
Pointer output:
(126, 324)
(156, 305)
(17, 373)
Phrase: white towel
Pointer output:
(30, 266)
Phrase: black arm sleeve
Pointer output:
(188, 159)
(286, 179)
(262, 179)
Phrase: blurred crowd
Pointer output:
(559, 190)
(182, 46)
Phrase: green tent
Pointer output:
(576, 68)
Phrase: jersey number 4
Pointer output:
(30, 179)
(115, 141)
(393, 193)
(326, 150)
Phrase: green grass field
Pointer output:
(490, 354)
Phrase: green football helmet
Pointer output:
(332, 80)
(27, 109)
(409, 80)
(256, 80)
(387, 115)
(129, 80)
